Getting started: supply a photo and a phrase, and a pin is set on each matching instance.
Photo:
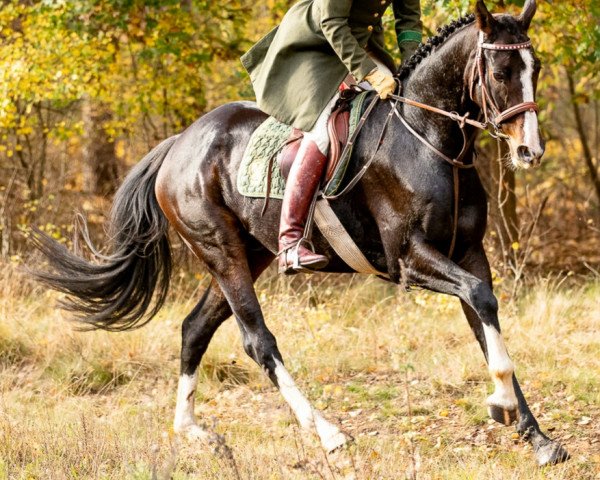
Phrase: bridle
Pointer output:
(492, 114)
(493, 118)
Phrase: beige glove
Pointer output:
(383, 83)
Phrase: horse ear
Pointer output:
(485, 20)
(527, 14)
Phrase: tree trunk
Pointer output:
(100, 163)
(587, 153)
(6, 220)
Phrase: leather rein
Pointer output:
(493, 118)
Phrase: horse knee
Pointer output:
(483, 300)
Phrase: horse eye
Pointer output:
(501, 75)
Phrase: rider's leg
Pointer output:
(302, 183)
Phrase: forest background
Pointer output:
(87, 87)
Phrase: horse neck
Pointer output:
(440, 81)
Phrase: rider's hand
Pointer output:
(383, 83)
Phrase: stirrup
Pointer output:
(296, 261)
(296, 266)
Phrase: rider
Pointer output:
(296, 71)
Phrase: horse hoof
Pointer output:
(503, 415)
(551, 453)
(194, 433)
(336, 442)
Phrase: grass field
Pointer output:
(401, 372)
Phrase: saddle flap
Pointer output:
(338, 127)
(288, 152)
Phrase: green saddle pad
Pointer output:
(266, 141)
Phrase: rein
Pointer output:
(487, 104)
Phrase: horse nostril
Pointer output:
(525, 154)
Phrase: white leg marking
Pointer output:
(501, 369)
(531, 131)
(185, 421)
(309, 418)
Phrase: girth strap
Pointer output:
(341, 241)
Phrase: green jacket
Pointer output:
(298, 66)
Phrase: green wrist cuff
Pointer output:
(410, 36)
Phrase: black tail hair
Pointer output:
(115, 292)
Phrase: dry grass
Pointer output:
(97, 405)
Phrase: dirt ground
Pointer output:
(401, 373)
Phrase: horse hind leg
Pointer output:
(196, 333)
(261, 346)
(309, 418)
(230, 268)
(197, 330)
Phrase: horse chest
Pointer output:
(438, 219)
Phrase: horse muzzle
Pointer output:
(529, 157)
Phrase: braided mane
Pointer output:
(425, 49)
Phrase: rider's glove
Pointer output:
(383, 83)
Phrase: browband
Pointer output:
(505, 46)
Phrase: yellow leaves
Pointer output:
(515, 246)
(25, 130)
(156, 66)
(120, 149)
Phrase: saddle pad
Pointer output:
(266, 141)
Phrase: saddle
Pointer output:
(338, 127)
(260, 175)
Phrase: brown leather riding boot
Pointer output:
(302, 182)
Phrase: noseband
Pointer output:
(487, 101)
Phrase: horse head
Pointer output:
(506, 70)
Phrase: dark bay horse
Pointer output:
(400, 214)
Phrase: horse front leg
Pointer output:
(471, 283)
(547, 451)
(503, 403)
(428, 268)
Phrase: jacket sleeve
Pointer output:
(409, 28)
(334, 25)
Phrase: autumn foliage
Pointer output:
(86, 87)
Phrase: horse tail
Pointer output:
(125, 288)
